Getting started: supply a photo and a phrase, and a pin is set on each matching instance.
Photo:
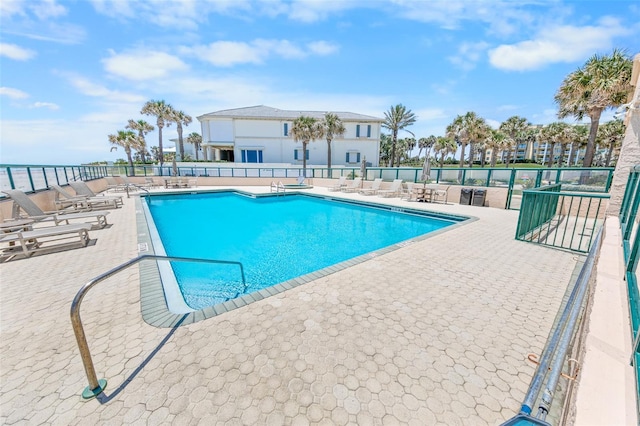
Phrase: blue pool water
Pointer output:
(276, 238)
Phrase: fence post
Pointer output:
(30, 179)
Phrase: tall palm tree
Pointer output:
(426, 143)
(580, 139)
(444, 146)
(496, 140)
(566, 135)
(553, 134)
(162, 111)
(397, 118)
(457, 132)
(515, 127)
(333, 127)
(127, 140)
(196, 140)
(611, 134)
(602, 82)
(142, 127)
(410, 144)
(180, 118)
(305, 129)
(467, 129)
(385, 148)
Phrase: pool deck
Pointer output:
(437, 331)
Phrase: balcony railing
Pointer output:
(631, 247)
(553, 217)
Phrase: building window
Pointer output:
(251, 155)
(297, 154)
(360, 131)
(286, 129)
(353, 157)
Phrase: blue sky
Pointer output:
(73, 72)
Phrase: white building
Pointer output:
(261, 134)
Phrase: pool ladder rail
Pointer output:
(277, 187)
(96, 386)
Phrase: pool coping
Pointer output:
(153, 304)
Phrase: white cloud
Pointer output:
(13, 93)
(564, 43)
(502, 17)
(230, 53)
(316, 10)
(468, 55)
(183, 14)
(48, 105)
(88, 88)
(16, 52)
(143, 65)
(8, 8)
(226, 53)
(46, 9)
(430, 114)
(322, 48)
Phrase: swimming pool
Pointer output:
(276, 238)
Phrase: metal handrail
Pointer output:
(554, 354)
(97, 386)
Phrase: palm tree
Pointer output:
(426, 143)
(553, 134)
(196, 140)
(580, 139)
(385, 148)
(180, 118)
(467, 129)
(602, 82)
(333, 127)
(410, 144)
(163, 112)
(611, 134)
(478, 130)
(456, 131)
(496, 140)
(305, 129)
(127, 140)
(142, 127)
(515, 127)
(397, 118)
(566, 135)
(444, 146)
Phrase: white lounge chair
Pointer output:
(440, 194)
(375, 187)
(394, 190)
(113, 184)
(65, 200)
(82, 188)
(353, 186)
(22, 202)
(29, 242)
(342, 181)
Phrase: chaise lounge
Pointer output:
(22, 202)
(65, 200)
(34, 240)
(375, 187)
(394, 190)
(82, 188)
(353, 186)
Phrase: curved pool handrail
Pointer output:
(97, 386)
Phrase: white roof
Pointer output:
(263, 111)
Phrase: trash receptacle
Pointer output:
(479, 195)
(465, 196)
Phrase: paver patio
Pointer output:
(435, 332)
